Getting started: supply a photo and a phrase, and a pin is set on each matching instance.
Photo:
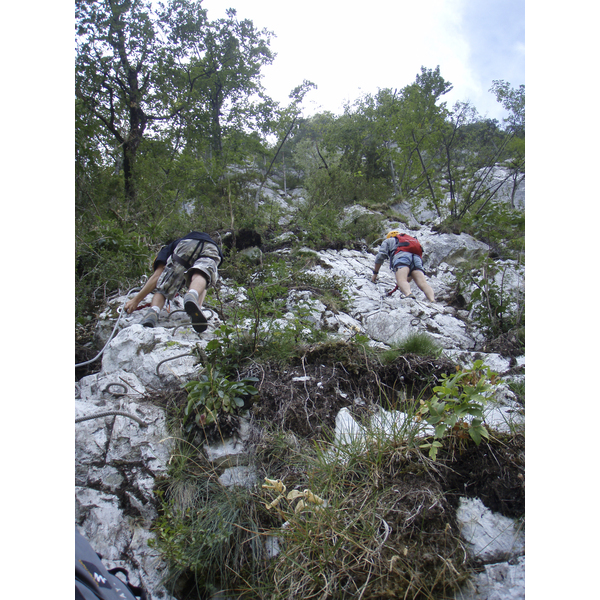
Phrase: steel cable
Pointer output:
(172, 358)
(120, 310)
(106, 389)
(108, 413)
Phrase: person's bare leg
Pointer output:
(419, 279)
(158, 300)
(402, 281)
(199, 285)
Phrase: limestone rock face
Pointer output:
(116, 463)
(119, 456)
(500, 543)
(509, 190)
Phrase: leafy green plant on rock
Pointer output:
(228, 348)
(212, 394)
(457, 407)
(498, 304)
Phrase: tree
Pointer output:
(513, 100)
(284, 126)
(120, 72)
(224, 72)
(472, 147)
(416, 128)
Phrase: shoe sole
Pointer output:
(149, 322)
(199, 321)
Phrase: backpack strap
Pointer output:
(188, 264)
(398, 241)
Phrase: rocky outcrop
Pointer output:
(506, 186)
(120, 454)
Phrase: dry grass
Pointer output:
(386, 532)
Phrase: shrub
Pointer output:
(215, 393)
(457, 407)
(497, 306)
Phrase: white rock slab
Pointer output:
(489, 536)
(499, 581)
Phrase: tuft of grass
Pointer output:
(419, 343)
(207, 533)
(365, 519)
(518, 388)
(374, 533)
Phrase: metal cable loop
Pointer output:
(172, 358)
(122, 385)
(108, 413)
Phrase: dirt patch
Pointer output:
(494, 471)
(304, 399)
(407, 541)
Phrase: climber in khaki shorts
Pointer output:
(194, 260)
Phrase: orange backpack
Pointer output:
(407, 243)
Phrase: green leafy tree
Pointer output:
(224, 72)
(513, 100)
(120, 73)
(397, 135)
(472, 147)
(423, 120)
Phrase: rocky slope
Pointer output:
(118, 458)
(122, 440)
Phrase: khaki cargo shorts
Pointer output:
(175, 275)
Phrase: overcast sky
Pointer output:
(349, 48)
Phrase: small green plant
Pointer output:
(212, 394)
(228, 348)
(419, 343)
(459, 397)
(497, 305)
(211, 540)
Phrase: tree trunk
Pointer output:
(426, 175)
(128, 167)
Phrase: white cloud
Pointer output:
(350, 48)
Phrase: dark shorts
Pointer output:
(408, 259)
(175, 275)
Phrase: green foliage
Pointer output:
(212, 394)
(513, 100)
(107, 256)
(518, 388)
(322, 227)
(206, 534)
(229, 348)
(496, 306)
(419, 343)
(268, 316)
(457, 406)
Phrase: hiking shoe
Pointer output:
(151, 319)
(199, 321)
